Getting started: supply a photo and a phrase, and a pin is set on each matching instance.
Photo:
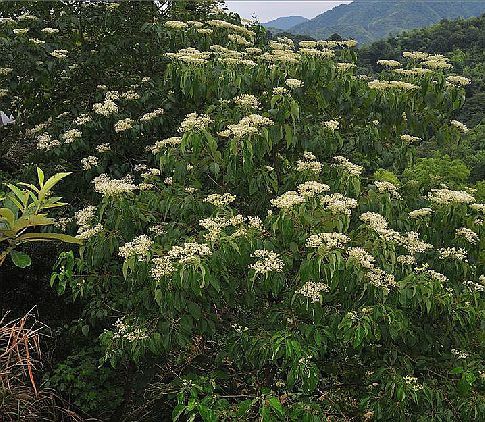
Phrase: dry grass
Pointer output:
(21, 396)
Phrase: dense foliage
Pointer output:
(261, 237)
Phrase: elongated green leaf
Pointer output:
(38, 237)
(40, 175)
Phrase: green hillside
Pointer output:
(367, 21)
(463, 41)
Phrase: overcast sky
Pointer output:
(267, 10)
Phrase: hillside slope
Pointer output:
(285, 22)
(367, 21)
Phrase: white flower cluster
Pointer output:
(102, 148)
(247, 100)
(194, 122)
(351, 168)
(313, 291)
(152, 115)
(123, 125)
(248, 125)
(459, 353)
(309, 163)
(84, 219)
(453, 253)
(337, 203)
(388, 63)
(89, 162)
(5, 71)
(436, 61)
(175, 25)
(220, 200)
(294, 83)
(387, 187)
(288, 200)
(280, 90)
(410, 139)
(140, 247)
(435, 275)
(412, 382)
(458, 80)
(460, 126)
(190, 253)
(311, 188)
(50, 31)
(46, 143)
(124, 331)
(71, 135)
(59, 54)
(85, 216)
(267, 261)
(190, 56)
(469, 235)
(447, 196)
(333, 125)
(386, 85)
(113, 187)
(169, 142)
(380, 278)
(475, 286)
(82, 119)
(406, 259)
(421, 212)
(105, 108)
(361, 257)
(328, 240)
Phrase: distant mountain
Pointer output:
(285, 22)
(369, 20)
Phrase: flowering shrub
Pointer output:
(244, 214)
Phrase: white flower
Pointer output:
(194, 122)
(59, 54)
(267, 261)
(106, 108)
(123, 125)
(313, 291)
(468, 234)
(328, 240)
(149, 116)
(337, 203)
(113, 187)
(333, 125)
(139, 246)
(447, 196)
(361, 257)
(101, 148)
(351, 168)
(89, 162)
(288, 200)
(460, 126)
(311, 188)
(294, 83)
(220, 200)
(421, 212)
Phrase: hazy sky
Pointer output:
(267, 10)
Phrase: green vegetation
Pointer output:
(368, 21)
(264, 232)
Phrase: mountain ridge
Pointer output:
(365, 22)
(285, 22)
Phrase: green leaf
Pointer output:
(39, 237)
(40, 175)
(20, 259)
(275, 403)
